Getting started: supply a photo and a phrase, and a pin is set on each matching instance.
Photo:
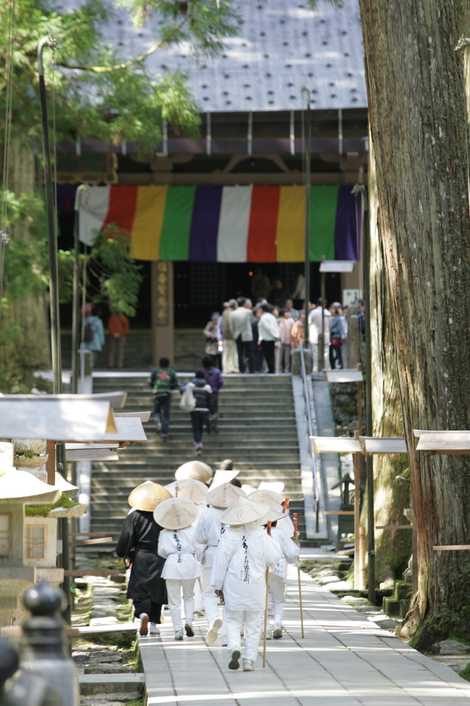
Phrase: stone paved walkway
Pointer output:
(344, 660)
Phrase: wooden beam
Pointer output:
(444, 442)
(359, 535)
(51, 462)
(80, 573)
(452, 548)
(335, 444)
(217, 178)
(339, 512)
(96, 540)
(384, 445)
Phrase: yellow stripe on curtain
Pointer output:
(290, 224)
(148, 220)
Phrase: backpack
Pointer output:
(163, 381)
(89, 333)
(188, 401)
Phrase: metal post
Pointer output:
(306, 148)
(368, 416)
(321, 342)
(51, 225)
(76, 295)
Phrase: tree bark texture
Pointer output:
(391, 476)
(24, 336)
(418, 125)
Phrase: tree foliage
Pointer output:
(95, 92)
(112, 278)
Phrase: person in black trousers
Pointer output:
(202, 393)
(268, 334)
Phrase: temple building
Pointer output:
(206, 214)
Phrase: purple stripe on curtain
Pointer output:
(359, 224)
(346, 227)
(205, 224)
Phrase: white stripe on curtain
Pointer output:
(233, 224)
(94, 204)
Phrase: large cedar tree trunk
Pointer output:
(418, 122)
(24, 333)
(391, 486)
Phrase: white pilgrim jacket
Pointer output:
(178, 547)
(289, 551)
(286, 525)
(240, 564)
(209, 530)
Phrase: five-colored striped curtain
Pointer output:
(226, 223)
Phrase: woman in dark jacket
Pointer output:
(138, 544)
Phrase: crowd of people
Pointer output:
(205, 543)
(261, 337)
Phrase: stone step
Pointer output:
(156, 446)
(136, 380)
(249, 456)
(257, 429)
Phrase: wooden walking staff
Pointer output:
(266, 604)
(295, 520)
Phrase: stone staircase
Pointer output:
(257, 430)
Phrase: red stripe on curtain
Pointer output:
(262, 227)
(121, 209)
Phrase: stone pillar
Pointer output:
(163, 327)
(352, 280)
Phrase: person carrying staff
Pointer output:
(209, 531)
(238, 578)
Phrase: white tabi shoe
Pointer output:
(213, 632)
(248, 665)
(144, 623)
(179, 635)
(153, 629)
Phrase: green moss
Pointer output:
(440, 626)
(465, 673)
(44, 510)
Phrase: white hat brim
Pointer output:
(244, 512)
(175, 514)
(224, 495)
(222, 477)
(189, 489)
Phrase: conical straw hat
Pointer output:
(24, 487)
(196, 470)
(244, 512)
(147, 496)
(225, 496)
(222, 477)
(276, 486)
(273, 514)
(267, 497)
(175, 513)
(189, 489)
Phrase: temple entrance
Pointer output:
(201, 288)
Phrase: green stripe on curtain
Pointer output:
(176, 228)
(323, 201)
